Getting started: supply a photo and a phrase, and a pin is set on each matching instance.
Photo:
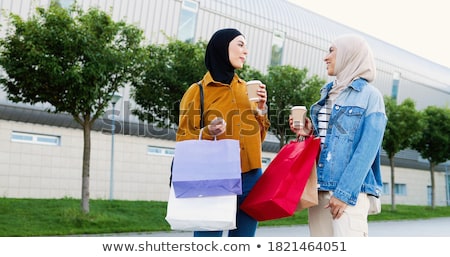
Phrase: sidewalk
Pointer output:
(437, 227)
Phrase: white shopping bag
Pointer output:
(375, 205)
(210, 213)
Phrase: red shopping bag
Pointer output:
(277, 193)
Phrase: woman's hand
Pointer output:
(303, 131)
(262, 93)
(217, 126)
(337, 207)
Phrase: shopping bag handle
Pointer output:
(200, 135)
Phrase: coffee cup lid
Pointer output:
(253, 82)
(299, 107)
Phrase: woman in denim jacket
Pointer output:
(350, 119)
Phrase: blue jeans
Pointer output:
(245, 225)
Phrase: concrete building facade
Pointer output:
(41, 153)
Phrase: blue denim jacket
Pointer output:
(349, 161)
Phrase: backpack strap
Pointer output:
(201, 104)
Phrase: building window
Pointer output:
(66, 3)
(188, 20)
(386, 189)
(31, 138)
(400, 189)
(156, 150)
(277, 47)
(265, 162)
(447, 178)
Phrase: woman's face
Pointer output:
(237, 52)
(330, 60)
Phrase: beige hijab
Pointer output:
(354, 59)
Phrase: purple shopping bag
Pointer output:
(207, 168)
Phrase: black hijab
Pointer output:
(217, 60)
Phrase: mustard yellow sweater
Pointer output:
(231, 103)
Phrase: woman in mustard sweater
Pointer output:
(229, 114)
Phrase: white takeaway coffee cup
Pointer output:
(298, 116)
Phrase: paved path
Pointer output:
(438, 227)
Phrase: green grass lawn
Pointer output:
(58, 217)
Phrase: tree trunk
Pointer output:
(282, 139)
(391, 161)
(86, 166)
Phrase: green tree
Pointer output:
(72, 60)
(288, 86)
(248, 73)
(402, 127)
(433, 144)
(169, 70)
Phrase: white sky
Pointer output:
(418, 26)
